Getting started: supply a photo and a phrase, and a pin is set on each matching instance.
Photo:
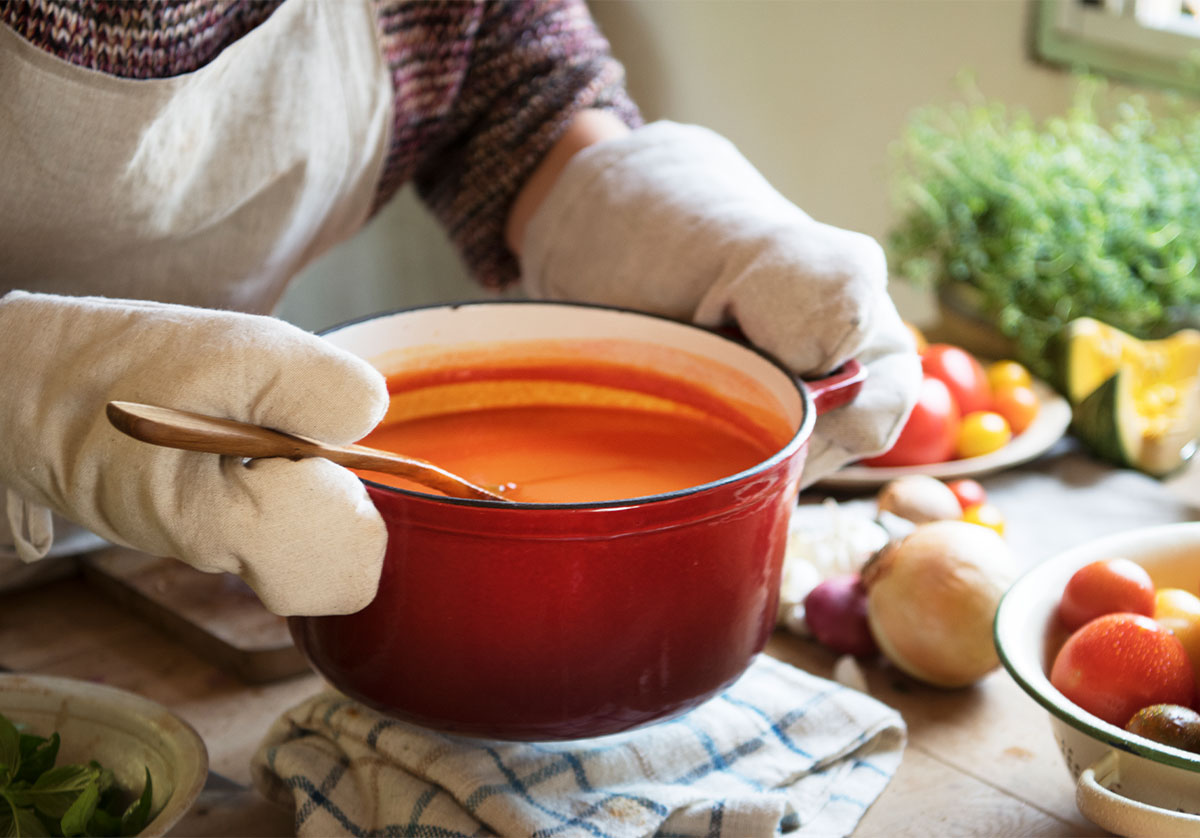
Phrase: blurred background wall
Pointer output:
(813, 91)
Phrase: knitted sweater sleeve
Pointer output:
(483, 90)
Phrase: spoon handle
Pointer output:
(213, 435)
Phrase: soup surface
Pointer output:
(571, 432)
(573, 453)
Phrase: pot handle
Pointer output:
(828, 392)
(1124, 815)
(838, 388)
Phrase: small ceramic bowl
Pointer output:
(122, 731)
(1124, 783)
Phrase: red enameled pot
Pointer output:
(565, 621)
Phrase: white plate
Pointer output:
(1051, 423)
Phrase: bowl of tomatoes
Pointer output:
(1106, 638)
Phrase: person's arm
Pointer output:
(477, 115)
(587, 128)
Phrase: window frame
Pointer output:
(1112, 40)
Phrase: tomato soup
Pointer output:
(569, 435)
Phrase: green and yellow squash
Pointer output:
(1135, 402)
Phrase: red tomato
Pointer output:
(1019, 405)
(969, 492)
(1119, 663)
(930, 434)
(1103, 587)
(962, 373)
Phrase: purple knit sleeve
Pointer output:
(483, 90)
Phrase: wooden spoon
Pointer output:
(196, 432)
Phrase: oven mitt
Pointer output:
(780, 751)
(673, 220)
(303, 534)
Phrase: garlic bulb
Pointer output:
(824, 540)
(932, 597)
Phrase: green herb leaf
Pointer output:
(104, 778)
(31, 825)
(17, 823)
(104, 824)
(38, 755)
(10, 751)
(138, 814)
(75, 819)
(59, 788)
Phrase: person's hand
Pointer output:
(672, 219)
(303, 534)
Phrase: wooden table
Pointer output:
(979, 761)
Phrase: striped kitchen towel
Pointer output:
(780, 751)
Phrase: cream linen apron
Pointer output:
(212, 188)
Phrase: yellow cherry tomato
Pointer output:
(982, 432)
(1179, 611)
(1005, 374)
(985, 514)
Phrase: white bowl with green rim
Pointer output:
(124, 732)
(1126, 784)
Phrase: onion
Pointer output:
(932, 597)
(919, 498)
(836, 614)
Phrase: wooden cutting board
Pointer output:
(216, 615)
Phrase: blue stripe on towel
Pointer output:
(870, 766)
(421, 830)
(575, 762)
(720, 762)
(421, 802)
(780, 726)
(319, 800)
(841, 798)
(717, 816)
(515, 785)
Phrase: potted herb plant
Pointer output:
(1035, 232)
(1092, 213)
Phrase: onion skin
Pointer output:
(836, 614)
(919, 498)
(932, 598)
